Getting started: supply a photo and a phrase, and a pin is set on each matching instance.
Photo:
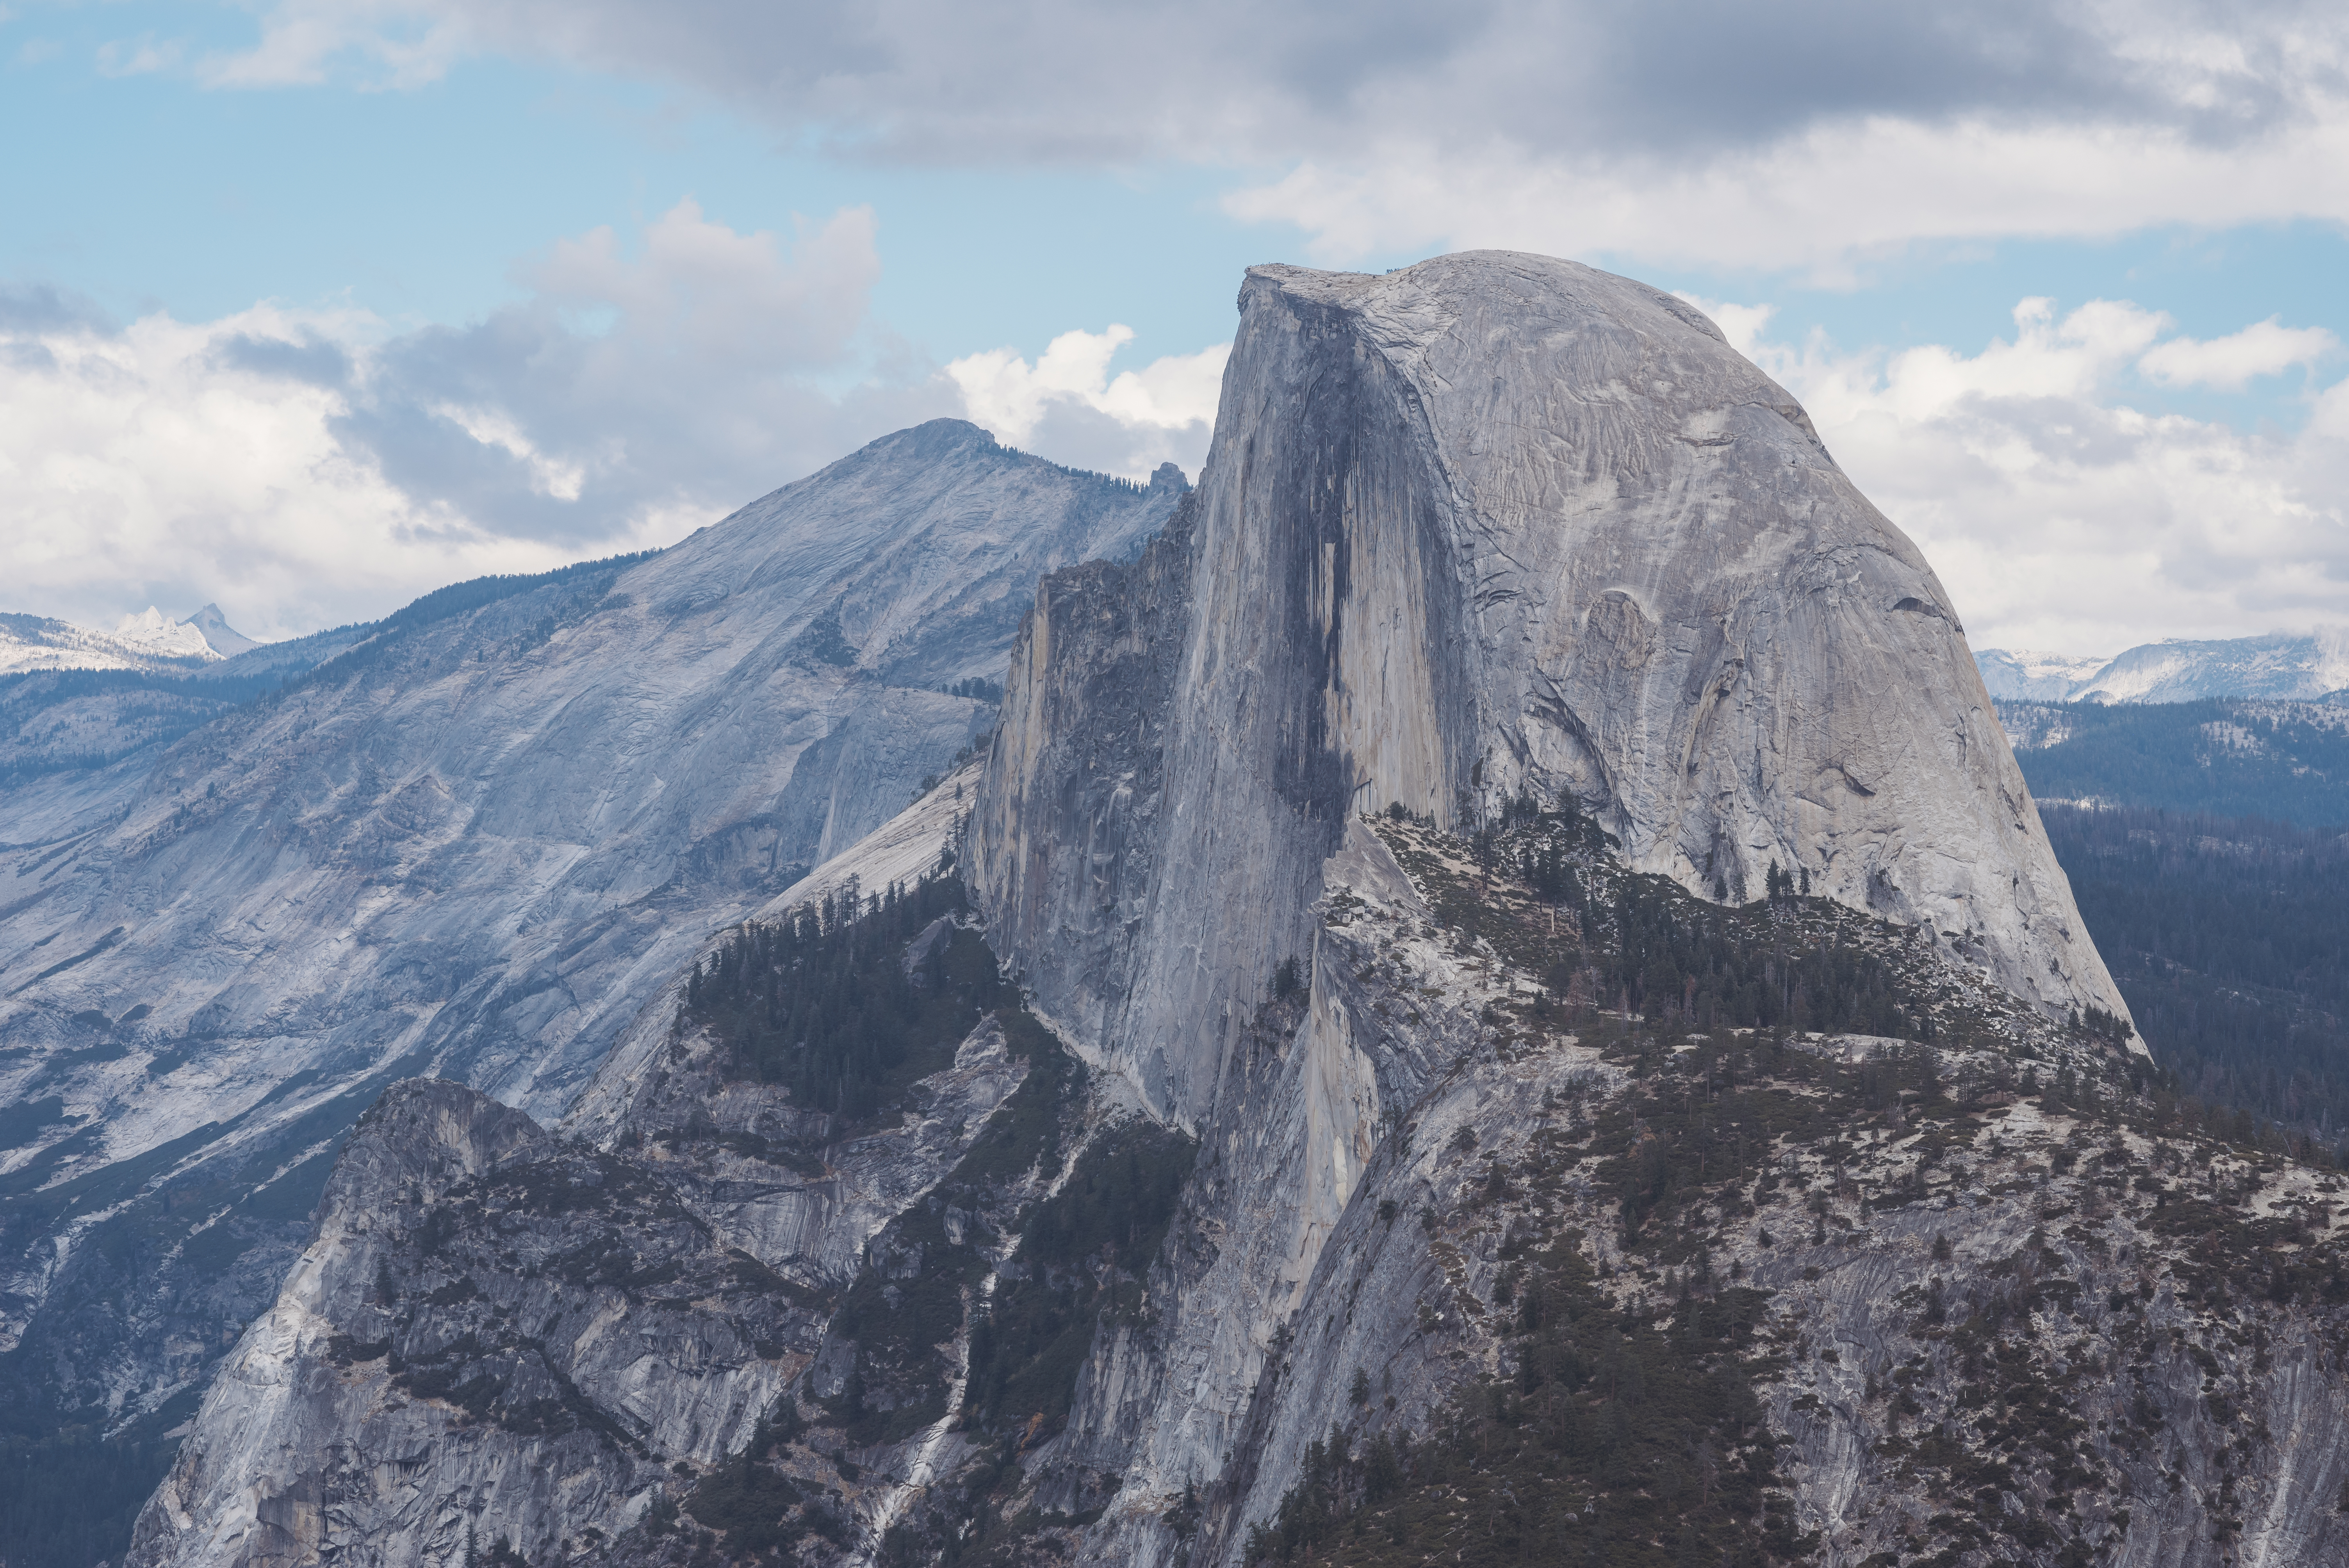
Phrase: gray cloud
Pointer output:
(303, 470)
(594, 451)
(30, 308)
(703, 392)
(1084, 437)
(311, 360)
(1225, 79)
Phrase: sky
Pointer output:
(309, 307)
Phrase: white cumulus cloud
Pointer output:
(2230, 363)
(154, 463)
(2062, 514)
(305, 467)
(1826, 199)
(1065, 404)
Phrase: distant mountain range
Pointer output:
(151, 644)
(2279, 665)
(2025, 676)
(73, 701)
(2244, 726)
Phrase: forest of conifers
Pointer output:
(2229, 757)
(2206, 850)
(2228, 936)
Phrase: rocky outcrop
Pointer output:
(496, 1334)
(476, 844)
(1476, 537)
(2102, 1329)
(1066, 826)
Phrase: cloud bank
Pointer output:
(1065, 405)
(311, 467)
(640, 387)
(2060, 515)
(1815, 134)
(306, 467)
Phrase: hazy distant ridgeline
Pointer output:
(2204, 842)
(65, 709)
(72, 700)
(2281, 665)
(153, 642)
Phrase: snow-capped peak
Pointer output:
(148, 641)
(2280, 665)
(156, 633)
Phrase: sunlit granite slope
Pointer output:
(473, 847)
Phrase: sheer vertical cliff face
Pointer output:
(1499, 523)
(1069, 811)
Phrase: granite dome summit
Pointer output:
(1499, 524)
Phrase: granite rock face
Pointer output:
(1489, 525)
(2127, 1331)
(1979, 1301)
(496, 1332)
(475, 844)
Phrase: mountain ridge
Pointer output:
(2236, 757)
(152, 642)
(475, 844)
(2282, 666)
